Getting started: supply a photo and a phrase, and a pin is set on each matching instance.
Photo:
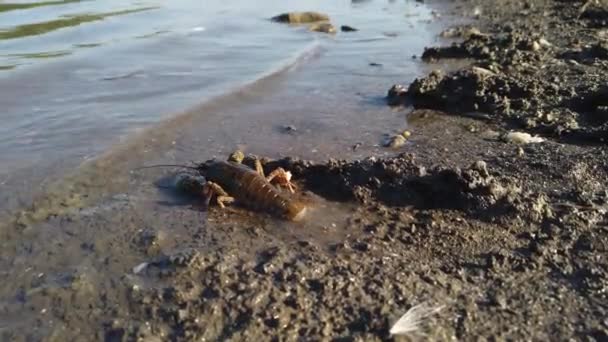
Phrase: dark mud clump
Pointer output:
(532, 104)
(403, 182)
(530, 73)
(594, 14)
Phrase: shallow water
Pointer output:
(103, 80)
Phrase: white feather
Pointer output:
(412, 319)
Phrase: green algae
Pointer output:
(52, 25)
(46, 54)
(87, 45)
(5, 7)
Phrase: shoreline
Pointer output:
(508, 238)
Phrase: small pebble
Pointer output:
(289, 128)
(535, 46)
(544, 42)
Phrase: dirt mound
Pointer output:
(521, 77)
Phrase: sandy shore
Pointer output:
(505, 235)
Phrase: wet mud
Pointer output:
(540, 73)
(510, 240)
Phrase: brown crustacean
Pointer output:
(231, 181)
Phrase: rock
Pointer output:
(322, 27)
(183, 258)
(300, 17)
(482, 167)
(482, 72)
(395, 141)
(535, 46)
(461, 32)
(477, 12)
(289, 129)
(544, 43)
(396, 95)
(346, 28)
(499, 299)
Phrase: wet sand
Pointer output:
(508, 240)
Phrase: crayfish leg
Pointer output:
(211, 189)
(224, 199)
(281, 178)
(258, 167)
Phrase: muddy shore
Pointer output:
(508, 237)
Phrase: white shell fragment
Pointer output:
(411, 320)
(137, 269)
(522, 138)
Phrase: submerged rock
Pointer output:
(289, 129)
(300, 17)
(396, 95)
(395, 141)
(346, 28)
(323, 27)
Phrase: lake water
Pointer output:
(77, 78)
